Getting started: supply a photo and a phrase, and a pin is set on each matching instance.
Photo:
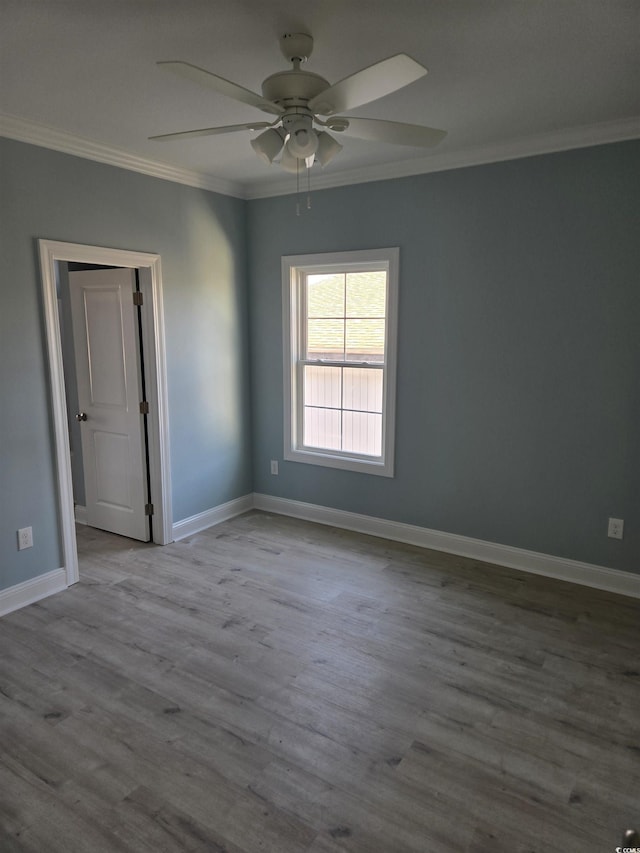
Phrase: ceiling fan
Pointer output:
(299, 98)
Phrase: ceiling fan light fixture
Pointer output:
(268, 145)
(328, 147)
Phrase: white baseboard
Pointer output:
(80, 513)
(560, 568)
(223, 512)
(42, 586)
(32, 590)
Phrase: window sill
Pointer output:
(325, 459)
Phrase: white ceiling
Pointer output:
(506, 78)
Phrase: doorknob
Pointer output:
(81, 416)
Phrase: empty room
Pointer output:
(319, 443)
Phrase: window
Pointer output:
(340, 349)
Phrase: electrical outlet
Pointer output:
(616, 527)
(25, 538)
(274, 466)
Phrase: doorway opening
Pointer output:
(150, 327)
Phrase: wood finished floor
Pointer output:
(275, 685)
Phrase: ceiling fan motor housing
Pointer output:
(293, 88)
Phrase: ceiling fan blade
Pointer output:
(210, 131)
(395, 132)
(367, 85)
(219, 84)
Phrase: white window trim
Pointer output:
(292, 268)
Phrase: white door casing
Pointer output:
(106, 346)
(149, 269)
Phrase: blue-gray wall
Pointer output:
(518, 407)
(201, 237)
(519, 344)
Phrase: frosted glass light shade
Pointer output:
(290, 163)
(268, 145)
(328, 147)
(303, 140)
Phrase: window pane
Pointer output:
(366, 294)
(362, 433)
(322, 386)
(365, 340)
(325, 295)
(325, 339)
(362, 389)
(322, 428)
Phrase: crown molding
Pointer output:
(24, 130)
(31, 132)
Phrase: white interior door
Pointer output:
(105, 336)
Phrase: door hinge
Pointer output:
(144, 407)
(137, 297)
(148, 509)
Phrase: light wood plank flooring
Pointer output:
(278, 686)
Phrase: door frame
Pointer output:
(153, 345)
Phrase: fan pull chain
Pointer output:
(308, 170)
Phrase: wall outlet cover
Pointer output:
(616, 528)
(25, 538)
